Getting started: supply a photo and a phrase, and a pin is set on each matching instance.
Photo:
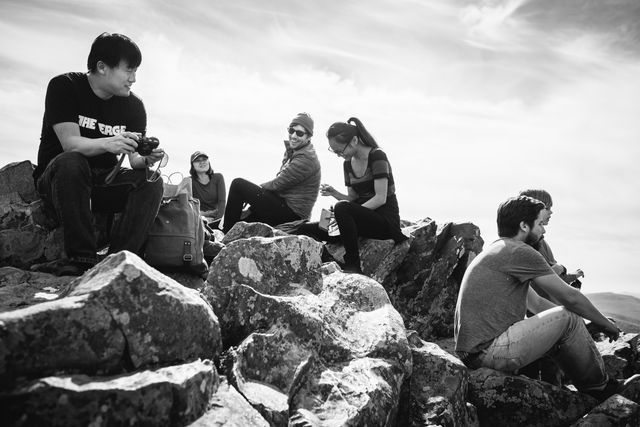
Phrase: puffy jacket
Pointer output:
(298, 181)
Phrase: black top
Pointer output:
(70, 99)
(377, 167)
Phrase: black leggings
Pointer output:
(266, 206)
(353, 221)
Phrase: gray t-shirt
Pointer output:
(493, 294)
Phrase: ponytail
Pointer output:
(362, 132)
(344, 132)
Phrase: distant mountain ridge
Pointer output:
(624, 309)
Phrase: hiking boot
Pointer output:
(351, 268)
(617, 386)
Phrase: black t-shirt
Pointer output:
(70, 99)
(377, 167)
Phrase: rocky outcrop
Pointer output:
(305, 344)
(20, 288)
(244, 230)
(27, 230)
(379, 257)
(120, 316)
(16, 179)
(509, 400)
(308, 348)
(424, 288)
(613, 412)
(436, 392)
(228, 408)
(174, 395)
(620, 357)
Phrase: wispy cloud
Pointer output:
(473, 100)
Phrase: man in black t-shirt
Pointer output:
(89, 119)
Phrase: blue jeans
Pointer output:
(74, 190)
(557, 332)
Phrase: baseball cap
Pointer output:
(198, 154)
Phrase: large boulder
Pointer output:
(244, 230)
(424, 288)
(274, 266)
(228, 408)
(621, 356)
(509, 400)
(174, 395)
(121, 315)
(27, 228)
(613, 412)
(437, 389)
(17, 178)
(309, 348)
(378, 257)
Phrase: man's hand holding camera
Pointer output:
(129, 143)
(148, 149)
(122, 143)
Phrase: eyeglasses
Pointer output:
(155, 175)
(341, 152)
(201, 160)
(299, 133)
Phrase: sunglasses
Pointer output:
(156, 174)
(299, 133)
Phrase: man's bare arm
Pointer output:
(576, 302)
(69, 135)
(536, 304)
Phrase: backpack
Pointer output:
(176, 238)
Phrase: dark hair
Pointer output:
(538, 194)
(194, 174)
(344, 132)
(111, 49)
(515, 210)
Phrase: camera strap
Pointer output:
(112, 175)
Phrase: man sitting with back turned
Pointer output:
(89, 119)
(490, 326)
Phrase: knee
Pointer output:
(242, 188)
(238, 183)
(342, 209)
(569, 319)
(71, 164)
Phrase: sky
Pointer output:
(473, 101)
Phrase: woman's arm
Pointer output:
(328, 190)
(380, 186)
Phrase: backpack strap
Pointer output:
(187, 255)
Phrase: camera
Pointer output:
(147, 144)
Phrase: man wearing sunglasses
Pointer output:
(290, 196)
(89, 120)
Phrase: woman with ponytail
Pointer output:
(370, 207)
